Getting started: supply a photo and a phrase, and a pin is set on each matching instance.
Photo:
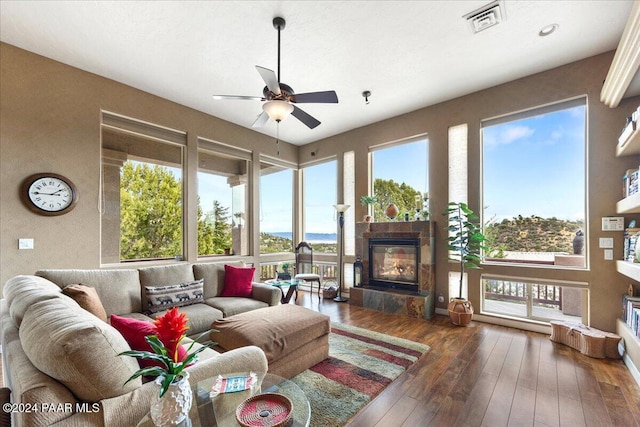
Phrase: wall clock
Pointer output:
(49, 194)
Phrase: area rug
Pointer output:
(361, 364)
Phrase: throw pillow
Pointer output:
(87, 298)
(165, 297)
(238, 281)
(134, 331)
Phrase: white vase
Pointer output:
(174, 406)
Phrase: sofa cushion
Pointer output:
(134, 331)
(213, 275)
(199, 318)
(21, 292)
(77, 349)
(119, 290)
(87, 298)
(235, 305)
(165, 275)
(163, 298)
(237, 281)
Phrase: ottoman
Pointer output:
(293, 338)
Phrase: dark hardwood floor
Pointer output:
(486, 375)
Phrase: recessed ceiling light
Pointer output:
(546, 30)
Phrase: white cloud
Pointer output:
(506, 135)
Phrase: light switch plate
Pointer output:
(608, 254)
(606, 242)
(25, 243)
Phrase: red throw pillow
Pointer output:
(237, 281)
(134, 331)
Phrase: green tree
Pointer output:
(220, 230)
(389, 191)
(205, 234)
(150, 212)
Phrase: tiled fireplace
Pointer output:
(399, 270)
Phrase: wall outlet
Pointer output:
(440, 298)
(608, 254)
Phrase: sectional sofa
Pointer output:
(60, 360)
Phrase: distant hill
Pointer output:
(532, 234)
(280, 241)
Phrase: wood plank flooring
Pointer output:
(487, 375)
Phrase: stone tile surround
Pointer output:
(418, 305)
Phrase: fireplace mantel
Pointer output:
(415, 304)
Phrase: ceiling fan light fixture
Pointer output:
(277, 110)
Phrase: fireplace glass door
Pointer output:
(394, 263)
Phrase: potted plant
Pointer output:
(368, 201)
(286, 274)
(465, 241)
(173, 401)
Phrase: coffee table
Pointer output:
(292, 284)
(220, 410)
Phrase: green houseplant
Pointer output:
(465, 242)
(368, 201)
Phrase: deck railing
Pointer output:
(327, 271)
(501, 290)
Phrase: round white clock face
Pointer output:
(49, 194)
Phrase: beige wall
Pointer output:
(50, 121)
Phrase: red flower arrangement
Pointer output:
(171, 329)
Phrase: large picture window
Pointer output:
(142, 191)
(222, 203)
(320, 187)
(534, 186)
(400, 174)
(276, 208)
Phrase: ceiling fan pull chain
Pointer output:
(278, 139)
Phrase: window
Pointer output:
(534, 299)
(222, 203)
(320, 187)
(534, 185)
(142, 200)
(276, 208)
(400, 176)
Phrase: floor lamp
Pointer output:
(341, 209)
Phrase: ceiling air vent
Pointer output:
(485, 17)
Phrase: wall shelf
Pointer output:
(632, 348)
(629, 269)
(631, 146)
(629, 204)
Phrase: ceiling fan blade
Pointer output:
(326, 97)
(270, 79)
(261, 120)
(305, 118)
(253, 98)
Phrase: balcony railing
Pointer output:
(548, 295)
(327, 271)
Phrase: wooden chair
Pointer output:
(304, 265)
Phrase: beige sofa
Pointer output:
(61, 361)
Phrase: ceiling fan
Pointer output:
(281, 97)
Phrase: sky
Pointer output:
(533, 166)
(536, 166)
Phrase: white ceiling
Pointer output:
(409, 54)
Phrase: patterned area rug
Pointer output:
(361, 364)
